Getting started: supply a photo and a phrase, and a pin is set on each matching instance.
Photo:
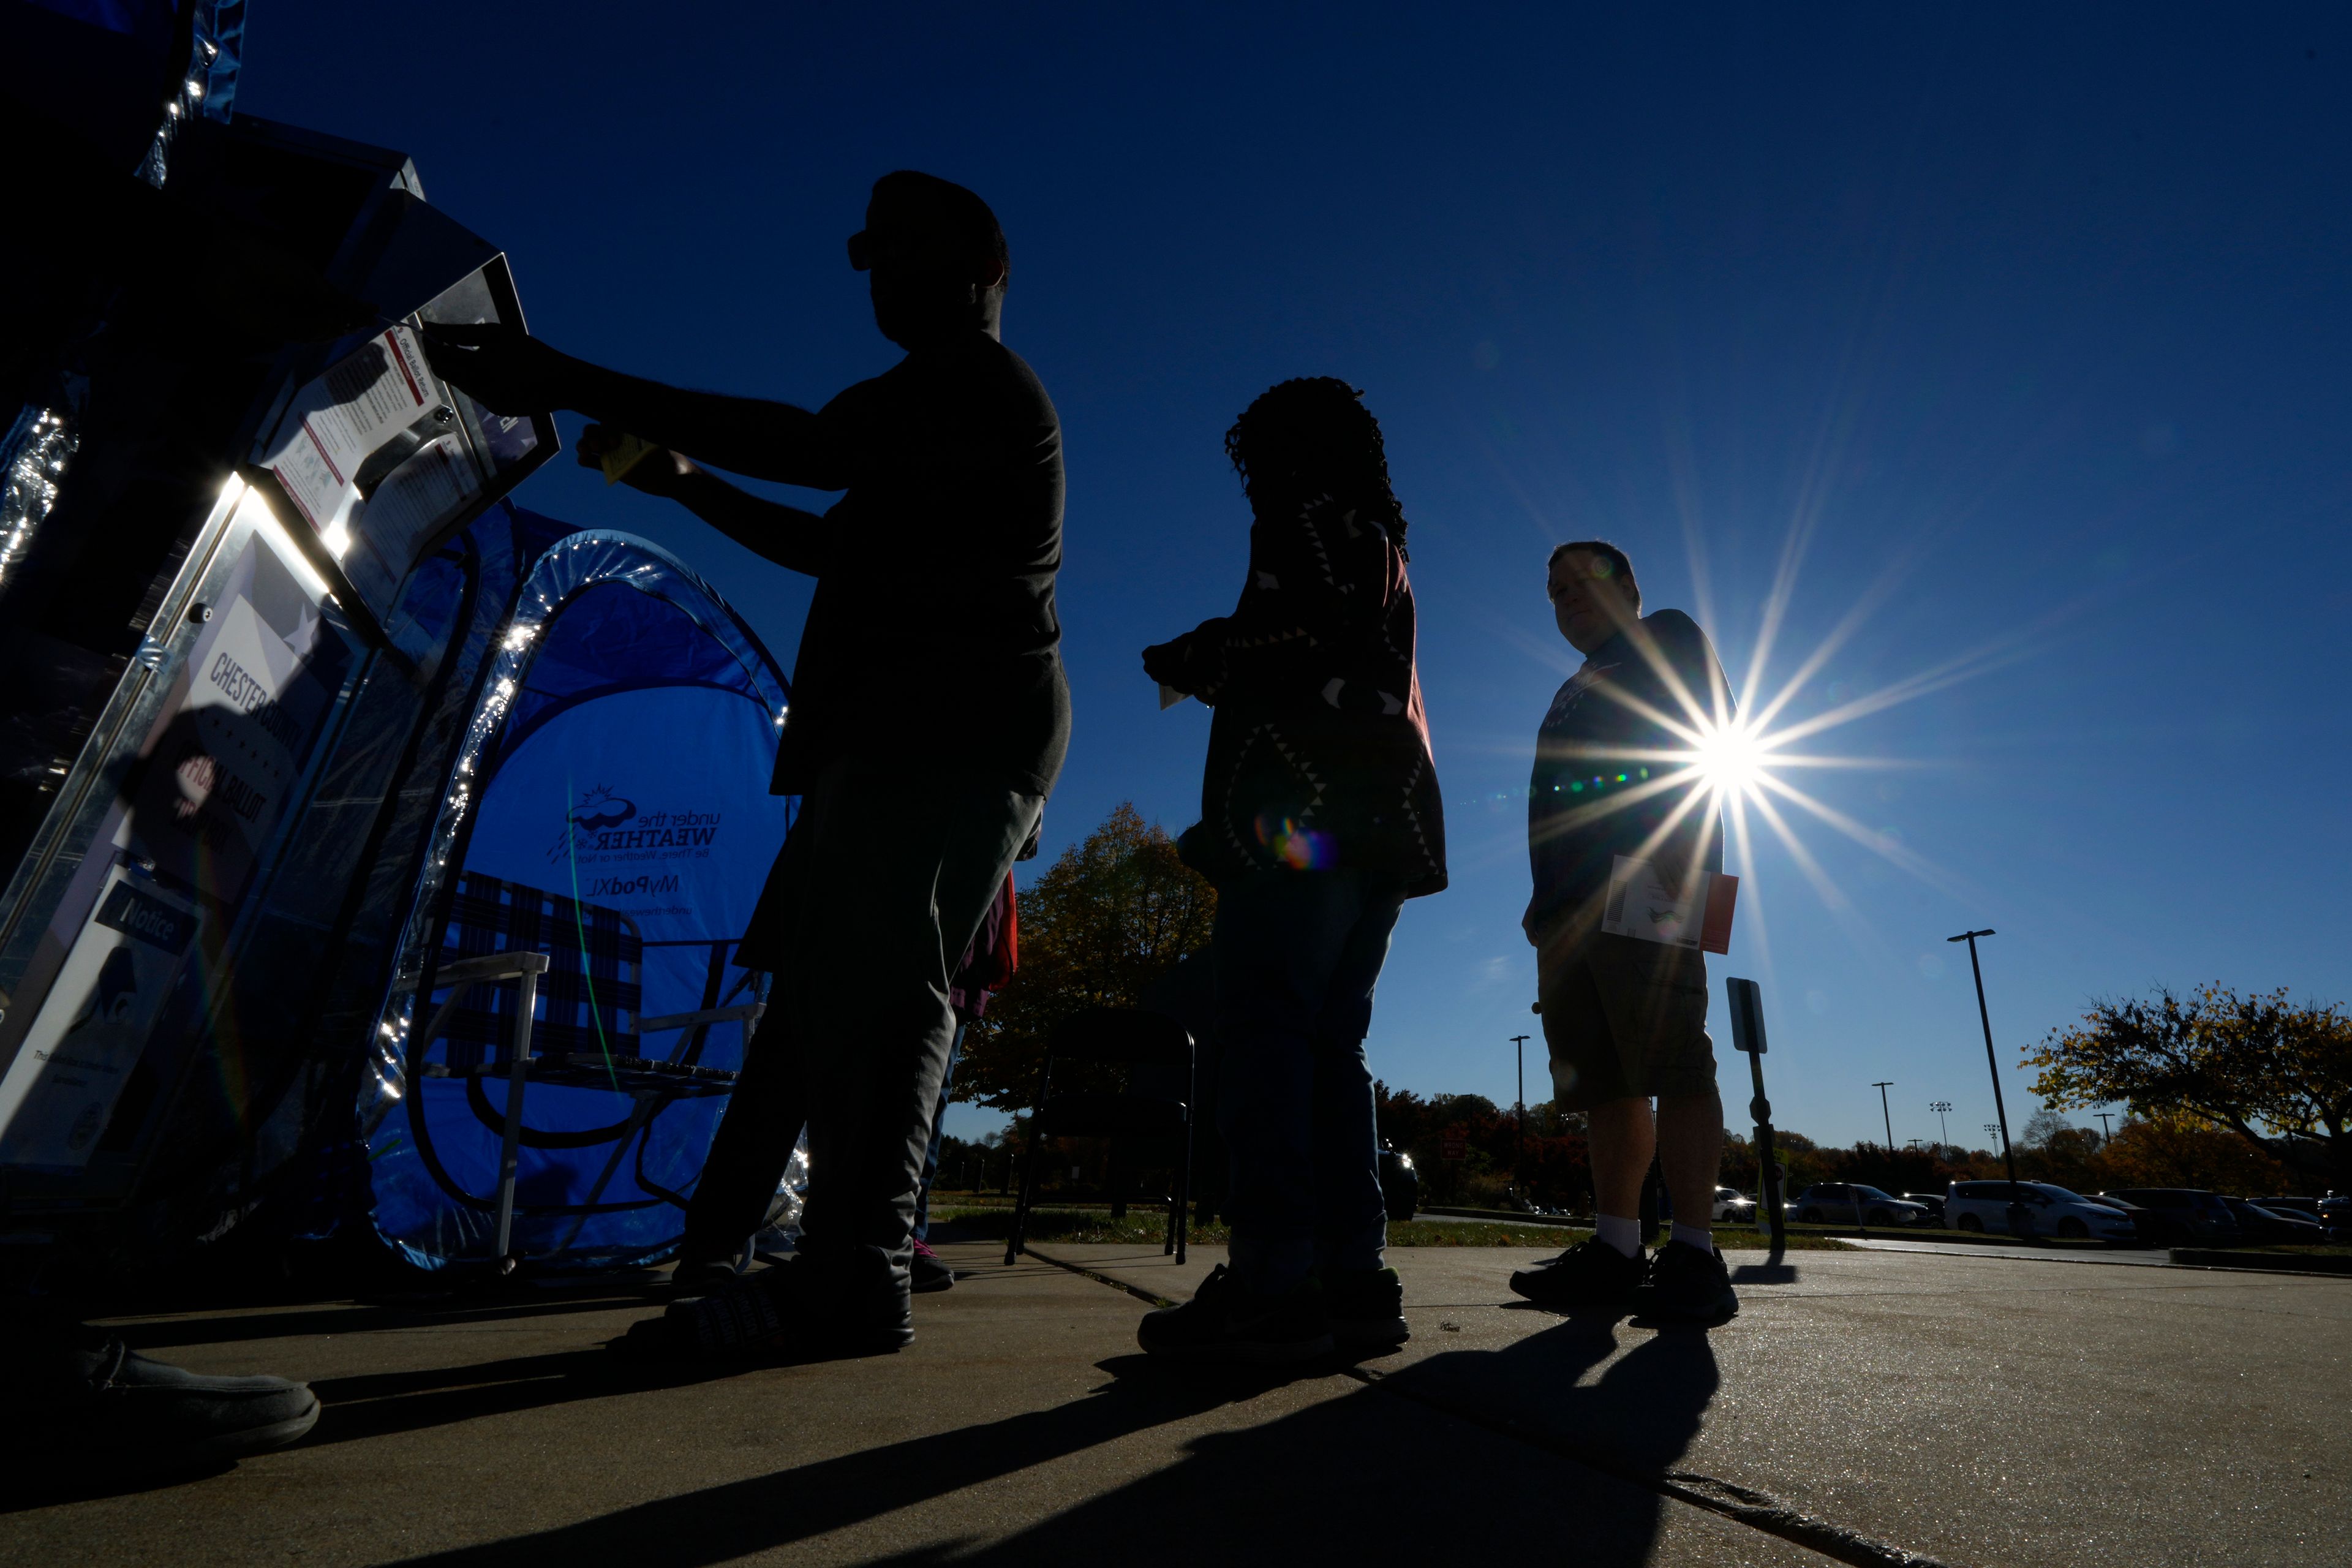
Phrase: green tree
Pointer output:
(1099, 929)
(2259, 1066)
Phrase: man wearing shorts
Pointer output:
(1625, 1019)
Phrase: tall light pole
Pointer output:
(2008, 1154)
(1519, 1155)
(1943, 1108)
(2106, 1126)
(1882, 1086)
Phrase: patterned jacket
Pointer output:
(1319, 756)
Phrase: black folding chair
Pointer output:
(540, 988)
(1156, 1053)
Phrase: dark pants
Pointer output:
(939, 1125)
(1296, 954)
(879, 889)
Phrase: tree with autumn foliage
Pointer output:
(1103, 924)
(2268, 1070)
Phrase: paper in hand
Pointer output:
(1640, 907)
(1168, 697)
(625, 454)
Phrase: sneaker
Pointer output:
(929, 1271)
(798, 1311)
(93, 1400)
(1226, 1321)
(1366, 1307)
(1688, 1286)
(1591, 1274)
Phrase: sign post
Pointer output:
(1748, 1035)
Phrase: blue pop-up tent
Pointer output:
(613, 786)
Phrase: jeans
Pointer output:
(1296, 955)
(881, 885)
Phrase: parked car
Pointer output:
(1932, 1202)
(2335, 1213)
(1850, 1203)
(2048, 1211)
(2143, 1223)
(2182, 1217)
(1732, 1204)
(2269, 1226)
(1399, 1184)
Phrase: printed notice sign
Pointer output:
(1698, 916)
(63, 1085)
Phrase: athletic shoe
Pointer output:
(1227, 1321)
(91, 1402)
(1688, 1286)
(1366, 1307)
(929, 1271)
(799, 1310)
(1588, 1276)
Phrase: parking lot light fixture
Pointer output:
(1943, 1108)
(2008, 1154)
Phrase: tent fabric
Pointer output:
(616, 759)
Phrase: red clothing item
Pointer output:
(989, 963)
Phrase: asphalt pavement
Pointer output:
(1873, 1408)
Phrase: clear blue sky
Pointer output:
(2030, 323)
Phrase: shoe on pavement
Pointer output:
(929, 1271)
(1688, 1286)
(92, 1400)
(797, 1311)
(1226, 1321)
(1588, 1276)
(1366, 1309)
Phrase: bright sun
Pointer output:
(1730, 757)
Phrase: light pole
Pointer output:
(1882, 1086)
(1942, 1108)
(1519, 1154)
(2009, 1155)
(2106, 1126)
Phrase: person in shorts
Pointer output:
(1625, 1018)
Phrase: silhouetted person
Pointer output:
(1625, 1019)
(928, 720)
(1319, 817)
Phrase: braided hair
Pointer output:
(1313, 436)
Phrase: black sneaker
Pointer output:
(1226, 1321)
(798, 1311)
(1688, 1286)
(1366, 1307)
(90, 1400)
(1592, 1274)
(929, 1272)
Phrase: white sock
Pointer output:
(1624, 1235)
(1698, 1235)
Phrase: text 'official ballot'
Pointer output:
(1640, 907)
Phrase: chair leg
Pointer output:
(1180, 1222)
(1014, 1243)
(510, 1144)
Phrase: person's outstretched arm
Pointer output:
(511, 372)
(785, 535)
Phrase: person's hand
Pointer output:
(501, 366)
(659, 472)
(1164, 662)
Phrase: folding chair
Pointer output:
(1148, 1046)
(546, 989)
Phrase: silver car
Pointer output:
(1850, 1203)
(2048, 1211)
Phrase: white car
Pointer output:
(1730, 1204)
(2048, 1211)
